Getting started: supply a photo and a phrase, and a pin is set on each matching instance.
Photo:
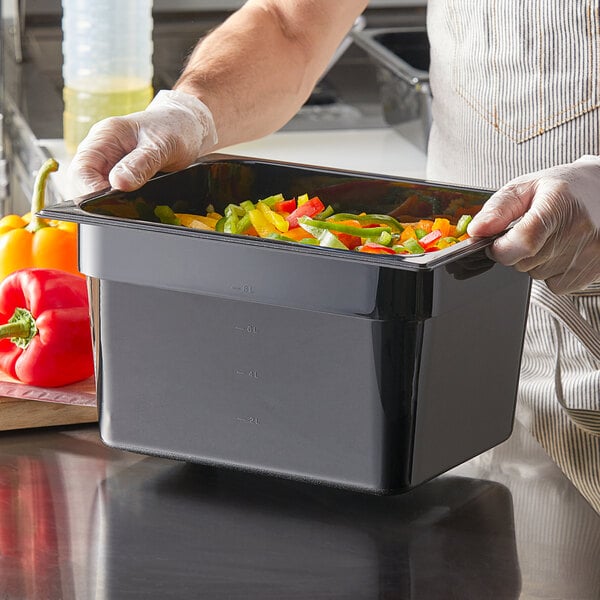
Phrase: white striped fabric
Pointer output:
(516, 87)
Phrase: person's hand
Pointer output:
(124, 152)
(557, 234)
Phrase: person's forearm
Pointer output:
(255, 71)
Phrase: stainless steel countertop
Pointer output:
(79, 520)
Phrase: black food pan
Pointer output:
(362, 371)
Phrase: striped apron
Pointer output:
(515, 88)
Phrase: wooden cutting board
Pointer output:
(16, 413)
(24, 407)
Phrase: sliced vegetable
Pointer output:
(166, 215)
(326, 238)
(430, 239)
(306, 220)
(413, 246)
(363, 232)
(462, 224)
(386, 220)
(310, 208)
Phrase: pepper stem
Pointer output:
(21, 328)
(38, 197)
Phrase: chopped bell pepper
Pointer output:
(37, 243)
(274, 218)
(190, 220)
(375, 248)
(413, 246)
(285, 206)
(310, 208)
(166, 215)
(326, 238)
(45, 338)
(363, 232)
(370, 219)
(463, 223)
(431, 238)
(259, 221)
(442, 225)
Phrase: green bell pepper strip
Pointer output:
(328, 212)
(385, 238)
(166, 215)
(234, 209)
(318, 230)
(247, 205)
(243, 225)
(372, 219)
(231, 223)
(362, 232)
(220, 225)
(461, 226)
(413, 246)
(270, 201)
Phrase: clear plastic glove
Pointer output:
(557, 235)
(124, 152)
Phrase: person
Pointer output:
(516, 108)
(250, 76)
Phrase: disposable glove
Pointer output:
(124, 152)
(556, 236)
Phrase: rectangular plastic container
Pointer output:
(363, 371)
(401, 57)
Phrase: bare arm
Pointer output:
(257, 69)
(244, 80)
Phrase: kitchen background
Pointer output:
(31, 82)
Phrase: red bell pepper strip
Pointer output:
(46, 336)
(286, 206)
(430, 239)
(375, 248)
(309, 209)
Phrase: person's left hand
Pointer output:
(557, 234)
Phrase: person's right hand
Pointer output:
(124, 152)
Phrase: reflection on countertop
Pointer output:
(80, 520)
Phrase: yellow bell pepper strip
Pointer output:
(38, 243)
(259, 221)
(442, 225)
(274, 218)
(189, 220)
(424, 224)
(302, 199)
(408, 234)
(298, 234)
(446, 242)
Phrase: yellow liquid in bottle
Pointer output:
(83, 108)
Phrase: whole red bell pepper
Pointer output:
(45, 338)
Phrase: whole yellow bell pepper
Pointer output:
(29, 241)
